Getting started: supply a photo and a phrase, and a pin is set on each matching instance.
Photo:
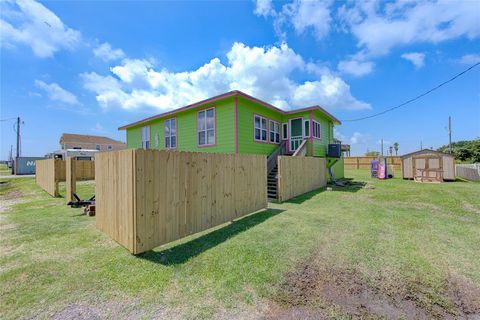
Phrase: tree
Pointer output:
(395, 146)
(372, 154)
(467, 150)
(390, 150)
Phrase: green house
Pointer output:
(235, 122)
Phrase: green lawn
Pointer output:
(389, 249)
(4, 170)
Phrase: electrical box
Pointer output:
(334, 150)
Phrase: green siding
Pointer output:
(320, 145)
(225, 129)
(187, 130)
(246, 143)
(134, 137)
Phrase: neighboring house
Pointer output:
(235, 122)
(80, 141)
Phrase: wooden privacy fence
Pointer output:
(468, 171)
(146, 198)
(364, 162)
(297, 175)
(47, 175)
(53, 171)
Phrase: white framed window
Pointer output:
(317, 133)
(274, 131)
(146, 137)
(306, 128)
(97, 147)
(171, 133)
(206, 127)
(259, 128)
(284, 131)
(109, 147)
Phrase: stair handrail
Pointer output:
(273, 157)
(301, 150)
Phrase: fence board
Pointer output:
(364, 162)
(468, 171)
(146, 198)
(46, 175)
(297, 175)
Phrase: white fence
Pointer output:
(468, 171)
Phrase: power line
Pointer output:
(415, 98)
(8, 119)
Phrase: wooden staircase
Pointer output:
(272, 183)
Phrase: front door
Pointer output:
(296, 133)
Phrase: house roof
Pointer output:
(234, 93)
(81, 138)
(425, 151)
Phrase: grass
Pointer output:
(399, 236)
(4, 170)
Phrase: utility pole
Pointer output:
(382, 147)
(450, 134)
(18, 138)
(421, 145)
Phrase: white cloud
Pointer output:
(29, 23)
(355, 67)
(107, 53)
(264, 72)
(417, 58)
(305, 14)
(380, 26)
(263, 8)
(469, 59)
(57, 93)
(359, 138)
(301, 14)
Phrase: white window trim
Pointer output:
(306, 134)
(206, 130)
(319, 136)
(171, 135)
(145, 130)
(275, 132)
(261, 129)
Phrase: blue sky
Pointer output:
(90, 67)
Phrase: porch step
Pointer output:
(272, 184)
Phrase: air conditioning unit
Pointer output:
(334, 150)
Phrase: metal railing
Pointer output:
(272, 158)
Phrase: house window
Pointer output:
(77, 148)
(97, 147)
(274, 132)
(109, 147)
(316, 130)
(260, 128)
(206, 127)
(146, 137)
(306, 131)
(171, 133)
(285, 131)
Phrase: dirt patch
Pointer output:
(324, 289)
(77, 312)
(471, 208)
(317, 291)
(465, 295)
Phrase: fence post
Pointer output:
(70, 178)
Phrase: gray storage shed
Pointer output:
(428, 165)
